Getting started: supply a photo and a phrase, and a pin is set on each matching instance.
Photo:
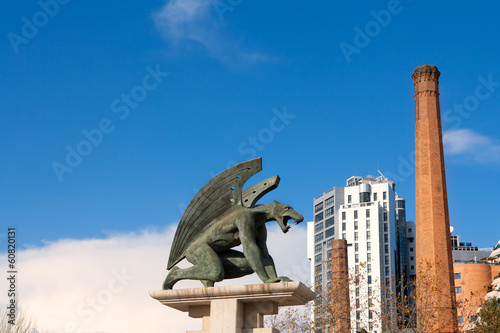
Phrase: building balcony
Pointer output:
(363, 204)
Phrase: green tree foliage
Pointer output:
(489, 317)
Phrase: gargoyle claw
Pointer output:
(278, 279)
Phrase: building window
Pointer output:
(358, 316)
(356, 247)
(386, 270)
(458, 290)
(355, 214)
(329, 201)
(369, 268)
(344, 226)
(386, 248)
(457, 275)
(364, 197)
(461, 320)
(343, 215)
(369, 292)
(385, 205)
(344, 236)
(411, 258)
(400, 203)
(369, 279)
(355, 236)
(349, 198)
(318, 237)
(370, 324)
(387, 260)
(385, 216)
(329, 211)
(367, 213)
(411, 249)
(409, 229)
(330, 232)
(356, 257)
(368, 246)
(318, 258)
(355, 225)
(384, 196)
(330, 222)
(356, 270)
(319, 268)
(318, 227)
(318, 207)
(368, 257)
(386, 238)
(386, 227)
(374, 196)
(317, 248)
(412, 267)
(329, 243)
(329, 254)
(367, 224)
(318, 217)
(368, 234)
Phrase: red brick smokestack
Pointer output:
(434, 256)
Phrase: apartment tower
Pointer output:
(368, 217)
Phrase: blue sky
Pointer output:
(158, 96)
(245, 79)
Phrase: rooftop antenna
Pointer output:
(381, 174)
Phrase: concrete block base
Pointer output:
(235, 309)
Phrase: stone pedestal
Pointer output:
(235, 309)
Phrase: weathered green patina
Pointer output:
(222, 216)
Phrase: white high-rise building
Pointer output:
(371, 217)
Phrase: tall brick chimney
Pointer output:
(340, 286)
(434, 256)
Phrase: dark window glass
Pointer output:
(364, 197)
(318, 217)
(330, 222)
(330, 211)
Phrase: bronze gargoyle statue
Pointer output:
(222, 216)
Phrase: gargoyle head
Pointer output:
(284, 213)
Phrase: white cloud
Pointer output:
(471, 145)
(197, 21)
(101, 285)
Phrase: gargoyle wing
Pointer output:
(216, 197)
(253, 194)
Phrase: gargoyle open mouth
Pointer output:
(285, 219)
(283, 214)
